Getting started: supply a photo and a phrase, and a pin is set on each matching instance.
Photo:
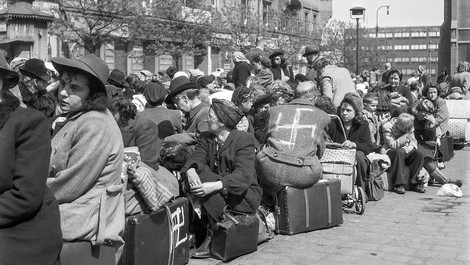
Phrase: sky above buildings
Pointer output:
(402, 13)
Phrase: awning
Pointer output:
(6, 41)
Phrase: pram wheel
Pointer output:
(359, 200)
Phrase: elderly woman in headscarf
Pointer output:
(242, 69)
(221, 172)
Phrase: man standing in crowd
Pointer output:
(423, 75)
(335, 81)
(311, 54)
(388, 68)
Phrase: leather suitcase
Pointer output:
(303, 210)
(159, 237)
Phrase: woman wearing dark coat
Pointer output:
(137, 130)
(29, 214)
(242, 69)
(357, 133)
(220, 172)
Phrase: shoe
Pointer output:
(457, 182)
(420, 188)
(441, 165)
(400, 190)
(203, 252)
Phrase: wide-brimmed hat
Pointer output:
(117, 78)
(179, 85)
(10, 78)
(310, 50)
(276, 53)
(89, 64)
(36, 69)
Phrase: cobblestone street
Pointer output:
(399, 229)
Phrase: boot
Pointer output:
(438, 176)
(203, 252)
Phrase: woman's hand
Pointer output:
(206, 188)
(350, 145)
(193, 178)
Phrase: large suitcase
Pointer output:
(160, 237)
(303, 210)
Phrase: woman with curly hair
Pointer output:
(279, 68)
(357, 132)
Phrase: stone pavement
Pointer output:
(399, 229)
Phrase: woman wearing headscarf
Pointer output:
(356, 128)
(29, 213)
(85, 166)
(220, 172)
(242, 69)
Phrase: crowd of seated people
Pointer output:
(229, 140)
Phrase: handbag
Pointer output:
(235, 235)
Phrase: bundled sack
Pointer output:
(155, 188)
(451, 190)
(379, 163)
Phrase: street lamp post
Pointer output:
(357, 13)
(377, 19)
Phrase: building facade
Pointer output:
(23, 30)
(412, 47)
(129, 55)
(455, 34)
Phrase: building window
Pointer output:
(371, 35)
(405, 34)
(422, 34)
(406, 47)
(388, 35)
(405, 59)
(398, 35)
(414, 34)
(397, 60)
(422, 46)
(414, 59)
(414, 46)
(397, 47)
(381, 35)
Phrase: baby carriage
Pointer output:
(340, 163)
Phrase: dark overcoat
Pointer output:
(236, 171)
(143, 133)
(29, 214)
